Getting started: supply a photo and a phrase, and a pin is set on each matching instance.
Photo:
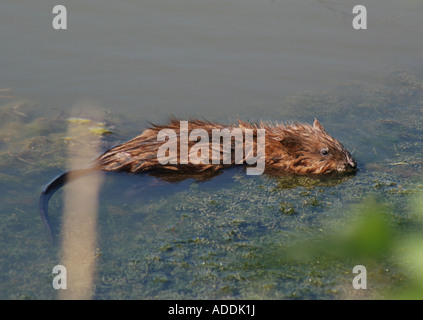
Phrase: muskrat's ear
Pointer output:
(317, 125)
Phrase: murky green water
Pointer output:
(233, 236)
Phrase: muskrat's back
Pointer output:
(294, 148)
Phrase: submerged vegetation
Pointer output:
(234, 236)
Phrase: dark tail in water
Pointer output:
(51, 188)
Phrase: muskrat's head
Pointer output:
(307, 149)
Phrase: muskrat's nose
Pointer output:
(352, 164)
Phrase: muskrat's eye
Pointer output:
(324, 152)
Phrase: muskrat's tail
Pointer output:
(51, 188)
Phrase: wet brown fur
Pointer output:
(293, 148)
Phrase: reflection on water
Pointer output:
(217, 59)
(291, 181)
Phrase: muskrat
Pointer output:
(294, 148)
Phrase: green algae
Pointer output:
(246, 239)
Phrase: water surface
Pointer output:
(222, 60)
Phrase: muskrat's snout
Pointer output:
(350, 165)
(353, 164)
